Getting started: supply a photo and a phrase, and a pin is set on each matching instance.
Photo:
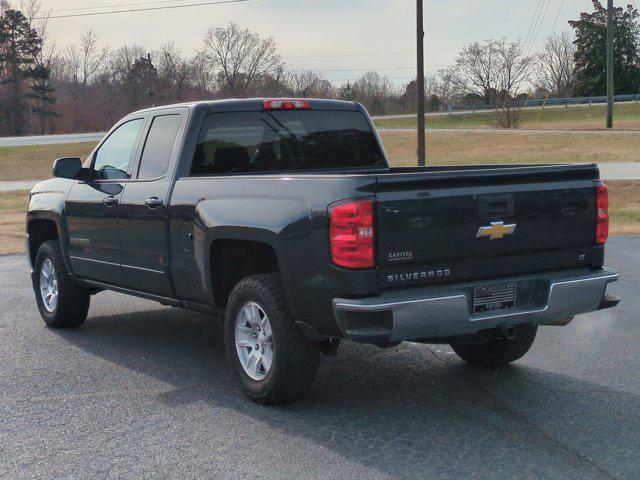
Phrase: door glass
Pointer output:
(112, 160)
(159, 146)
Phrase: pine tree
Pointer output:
(42, 93)
(19, 45)
(141, 82)
(591, 51)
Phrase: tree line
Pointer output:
(87, 87)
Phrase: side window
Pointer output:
(227, 143)
(113, 157)
(159, 146)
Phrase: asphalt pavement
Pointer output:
(143, 391)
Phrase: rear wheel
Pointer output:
(498, 351)
(62, 303)
(273, 360)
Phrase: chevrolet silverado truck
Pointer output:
(284, 219)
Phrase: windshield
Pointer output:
(282, 141)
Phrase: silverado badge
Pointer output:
(496, 231)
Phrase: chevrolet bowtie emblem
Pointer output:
(496, 231)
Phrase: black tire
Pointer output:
(295, 358)
(497, 352)
(73, 300)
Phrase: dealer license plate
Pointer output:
(500, 296)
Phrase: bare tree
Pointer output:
(82, 64)
(173, 72)
(241, 57)
(515, 67)
(556, 66)
(307, 83)
(476, 70)
(121, 60)
(201, 75)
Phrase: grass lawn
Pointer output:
(35, 162)
(443, 148)
(627, 117)
(625, 214)
(13, 206)
(460, 148)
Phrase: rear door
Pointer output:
(143, 221)
(467, 225)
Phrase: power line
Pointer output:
(96, 7)
(555, 24)
(146, 9)
(542, 18)
(533, 22)
(362, 69)
(368, 54)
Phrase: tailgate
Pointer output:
(438, 226)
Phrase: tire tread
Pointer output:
(73, 300)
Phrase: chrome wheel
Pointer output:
(254, 341)
(48, 286)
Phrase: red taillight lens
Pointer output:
(286, 105)
(602, 230)
(352, 234)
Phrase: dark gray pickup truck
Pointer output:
(284, 219)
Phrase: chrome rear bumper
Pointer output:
(445, 312)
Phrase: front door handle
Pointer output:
(153, 202)
(110, 201)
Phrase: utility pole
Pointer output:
(610, 53)
(420, 84)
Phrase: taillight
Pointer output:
(286, 105)
(602, 230)
(352, 234)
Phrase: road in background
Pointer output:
(50, 139)
(144, 391)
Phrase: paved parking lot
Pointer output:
(142, 391)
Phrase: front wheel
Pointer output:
(62, 303)
(274, 362)
(498, 351)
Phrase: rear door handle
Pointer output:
(153, 202)
(110, 201)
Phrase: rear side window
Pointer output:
(285, 141)
(158, 147)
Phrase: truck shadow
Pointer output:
(408, 412)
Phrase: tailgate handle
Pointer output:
(496, 206)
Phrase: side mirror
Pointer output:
(67, 168)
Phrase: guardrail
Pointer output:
(549, 102)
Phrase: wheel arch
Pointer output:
(233, 256)
(42, 227)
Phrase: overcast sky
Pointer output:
(311, 33)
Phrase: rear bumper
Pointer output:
(446, 312)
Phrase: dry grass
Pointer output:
(627, 117)
(13, 206)
(443, 148)
(459, 148)
(625, 207)
(34, 162)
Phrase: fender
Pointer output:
(47, 202)
(269, 220)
